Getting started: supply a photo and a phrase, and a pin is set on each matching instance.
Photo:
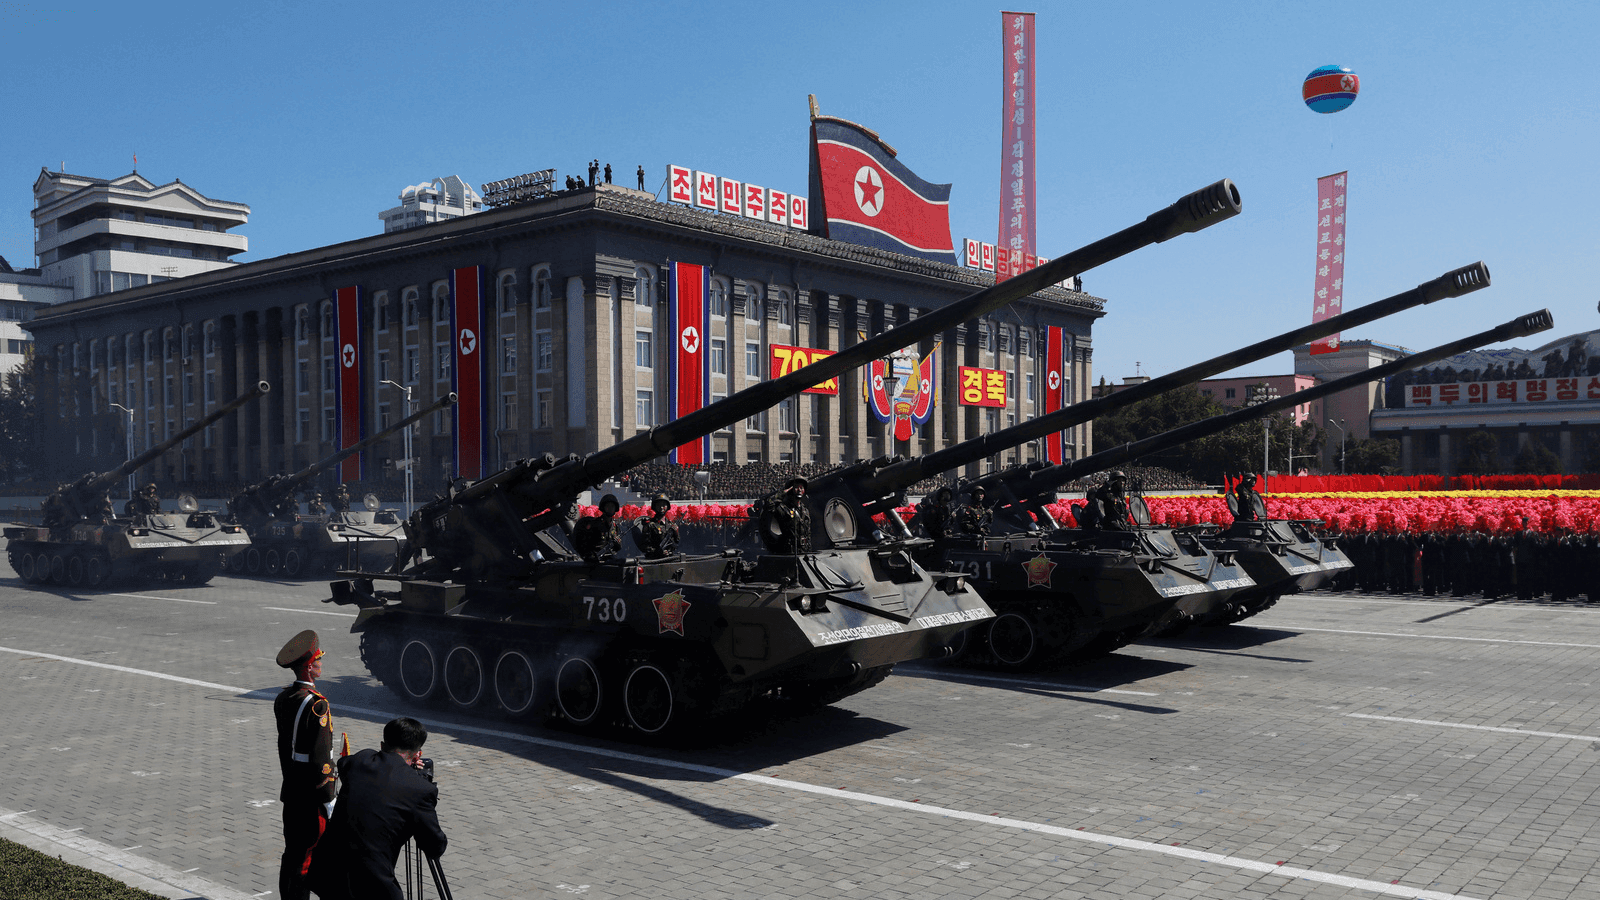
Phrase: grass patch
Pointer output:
(27, 874)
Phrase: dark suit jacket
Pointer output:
(382, 803)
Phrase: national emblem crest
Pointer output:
(670, 611)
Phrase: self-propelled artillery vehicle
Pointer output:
(283, 541)
(1282, 556)
(82, 544)
(499, 612)
(1064, 596)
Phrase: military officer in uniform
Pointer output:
(316, 507)
(596, 536)
(933, 514)
(305, 754)
(658, 538)
(974, 518)
(1245, 496)
(790, 520)
(1110, 502)
(341, 499)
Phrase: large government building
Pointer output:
(575, 325)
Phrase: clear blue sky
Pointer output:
(1474, 136)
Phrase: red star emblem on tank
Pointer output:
(669, 612)
(1039, 569)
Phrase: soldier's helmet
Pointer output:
(611, 499)
(795, 482)
(660, 501)
(978, 493)
(149, 487)
(1118, 475)
(1249, 478)
(943, 495)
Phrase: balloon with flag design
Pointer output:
(1329, 89)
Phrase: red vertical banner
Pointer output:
(347, 304)
(1055, 387)
(1017, 218)
(689, 378)
(467, 378)
(1328, 297)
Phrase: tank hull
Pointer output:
(184, 547)
(313, 546)
(652, 646)
(1282, 556)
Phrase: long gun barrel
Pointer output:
(1027, 487)
(876, 485)
(558, 482)
(260, 500)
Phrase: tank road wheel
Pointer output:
(75, 570)
(23, 563)
(516, 685)
(252, 560)
(1014, 639)
(95, 570)
(294, 562)
(58, 568)
(271, 561)
(419, 670)
(578, 690)
(463, 676)
(648, 699)
(41, 567)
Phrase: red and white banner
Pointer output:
(786, 359)
(1328, 299)
(1484, 393)
(680, 184)
(1055, 387)
(1018, 231)
(982, 387)
(689, 378)
(467, 377)
(347, 308)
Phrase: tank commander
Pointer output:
(933, 514)
(790, 519)
(148, 503)
(104, 512)
(595, 537)
(316, 507)
(1246, 498)
(658, 538)
(1109, 504)
(341, 499)
(305, 755)
(975, 517)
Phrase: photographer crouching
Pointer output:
(387, 798)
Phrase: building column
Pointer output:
(1446, 458)
(1564, 445)
(1408, 464)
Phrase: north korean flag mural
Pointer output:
(467, 377)
(1055, 388)
(347, 308)
(903, 389)
(861, 194)
(689, 378)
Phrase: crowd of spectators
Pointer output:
(755, 480)
(1142, 478)
(1575, 363)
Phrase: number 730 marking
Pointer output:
(604, 609)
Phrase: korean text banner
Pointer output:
(1017, 236)
(1328, 300)
(786, 359)
(982, 387)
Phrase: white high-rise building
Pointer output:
(96, 236)
(431, 201)
(22, 293)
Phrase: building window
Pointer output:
(644, 407)
(508, 356)
(408, 306)
(327, 321)
(188, 388)
(383, 365)
(780, 299)
(816, 413)
(380, 306)
(719, 356)
(752, 359)
(1228, 393)
(330, 373)
(1005, 339)
(714, 398)
(757, 422)
(641, 289)
(413, 365)
(541, 411)
(508, 293)
(441, 303)
(719, 298)
(211, 388)
(302, 324)
(786, 416)
(441, 356)
(545, 348)
(541, 289)
(984, 336)
(330, 419)
(302, 425)
(1025, 345)
(166, 391)
(1029, 384)
(643, 357)
(508, 412)
(383, 416)
(752, 310)
(302, 376)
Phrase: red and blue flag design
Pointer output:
(689, 378)
(1055, 388)
(863, 195)
(467, 376)
(1329, 89)
(347, 308)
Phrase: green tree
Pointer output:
(1237, 449)
(1536, 459)
(21, 426)
(1372, 456)
(1480, 454)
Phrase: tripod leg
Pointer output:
(438, 878)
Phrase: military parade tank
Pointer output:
(81, 544)
(1065, 595)
(1282, 556)
(283, 541)
(500, 612)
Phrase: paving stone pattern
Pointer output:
(1246, 742)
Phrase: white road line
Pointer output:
(108, 860)
(1024, 682)
(314, 612)
(100, 665)
(1431, 637)
(1550, 734)
(173, 599)
(1249, 865)
(1448, 604)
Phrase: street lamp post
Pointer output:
(407, 392)
(130, 442)
(1339, 425)
(1263, 393)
